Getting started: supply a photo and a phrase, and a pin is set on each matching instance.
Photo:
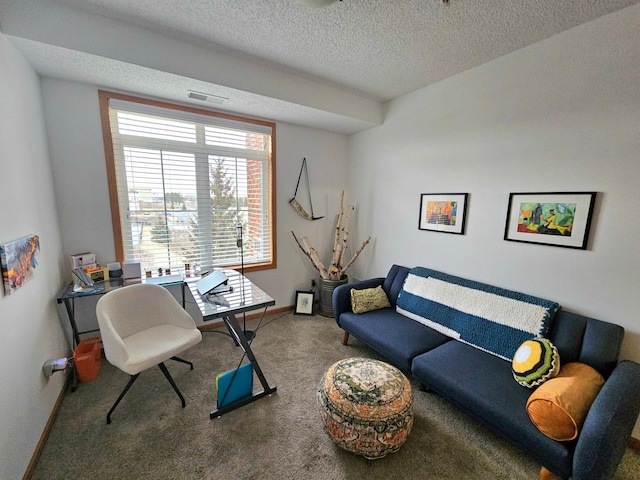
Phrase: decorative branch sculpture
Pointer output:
(337, 269)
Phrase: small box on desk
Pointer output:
(98, 274)
(131, 270)
(115, 270)
(83, 260)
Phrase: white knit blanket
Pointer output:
(490, 318)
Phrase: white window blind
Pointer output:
(185, 181)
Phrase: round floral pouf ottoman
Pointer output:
(366, 406)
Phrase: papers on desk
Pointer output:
(79, 293)
(218, 300)
(234, 385)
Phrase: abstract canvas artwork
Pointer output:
(19, 262)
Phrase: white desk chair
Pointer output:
(143, 326)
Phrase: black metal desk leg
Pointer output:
(238, 334)
(247, 349)
(70, 306)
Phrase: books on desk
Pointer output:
(234, 385)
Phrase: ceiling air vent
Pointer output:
(206, 97)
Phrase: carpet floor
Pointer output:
(276, 437)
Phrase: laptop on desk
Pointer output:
(211, 282)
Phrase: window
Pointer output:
(185, 182)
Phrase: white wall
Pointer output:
(77, 155)
(561, 115)
(326, 155)
(30, 328)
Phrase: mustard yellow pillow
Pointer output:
(368, 299)
(559, 406)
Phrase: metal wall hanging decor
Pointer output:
(295, 204)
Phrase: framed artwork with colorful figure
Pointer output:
(560, 219)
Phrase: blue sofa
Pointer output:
(482, 384)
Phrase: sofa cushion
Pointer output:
(490, 318)
(587, 340)
(558, 408)
(483, 386)
(395, 336)
(393, 282)
(535, 362)
(368, 299)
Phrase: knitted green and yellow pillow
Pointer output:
(368, 299)
(536, 361)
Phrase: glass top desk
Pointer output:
(243, 296)
(68, 295)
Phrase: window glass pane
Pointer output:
(150, 127)
(185, 188)
(161, 197)
(224, 137)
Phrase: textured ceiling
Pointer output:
(376, 49)
(384, 48)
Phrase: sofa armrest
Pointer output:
(608, 425)
(341, 300)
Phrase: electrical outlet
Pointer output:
(51, 366)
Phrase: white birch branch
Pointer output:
(312, 255)
(341, 238)
(364, 244)
(336, 238)
(315, 259)
(345, 235)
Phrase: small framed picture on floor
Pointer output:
(304, 303)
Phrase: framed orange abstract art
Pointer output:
(443, 212)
